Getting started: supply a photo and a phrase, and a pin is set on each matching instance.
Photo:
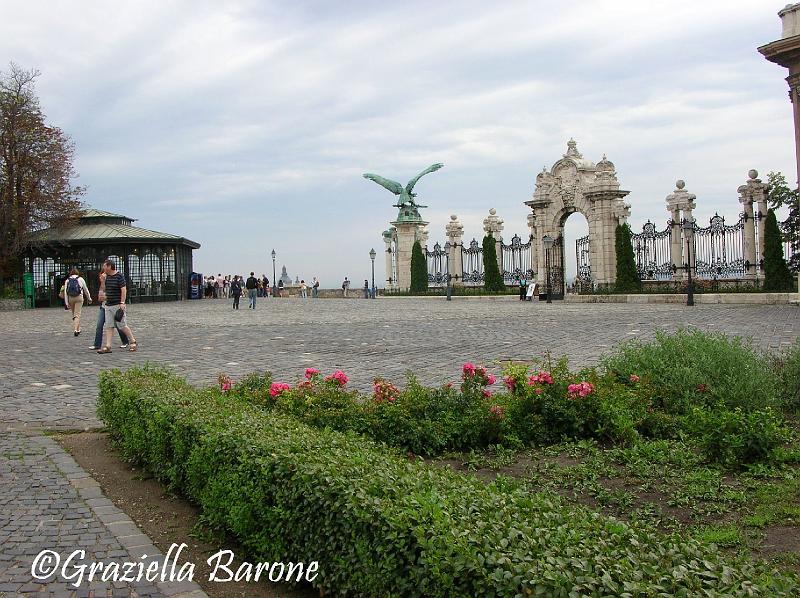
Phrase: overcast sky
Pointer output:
(246, 126)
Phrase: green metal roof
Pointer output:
(88, 232)
(92, 213)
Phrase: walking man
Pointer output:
(315, 289)
(251, 284)
(116, 292)
(345, 286)
(236, 291)
(366, 289)
(74, 292)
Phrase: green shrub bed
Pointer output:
(380, 524)
(719, 394)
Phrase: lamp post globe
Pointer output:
(548, 241)
(372, 255)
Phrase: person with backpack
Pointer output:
(251, 284)
(75, 290)
(236, 291)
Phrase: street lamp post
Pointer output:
(372, 255)
(548, 241)
(274, 284)
(688, 232)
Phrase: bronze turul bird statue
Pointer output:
(405, 194)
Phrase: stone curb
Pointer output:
(114, 519)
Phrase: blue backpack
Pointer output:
(74, 287)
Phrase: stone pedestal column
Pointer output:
(534, 244)
(406, 234)
(388, 238)
(493, 226)
(758, 192)
(746, 199)
(455, 260)
(680, 204)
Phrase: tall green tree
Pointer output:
(781, 195)
(627, 275)
(777, 276)
(36, 173)
(419, 269)
(492, 278)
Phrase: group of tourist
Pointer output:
(113, 290)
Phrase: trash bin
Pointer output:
(28, 290)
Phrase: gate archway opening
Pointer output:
(575, 184)
(577, 258)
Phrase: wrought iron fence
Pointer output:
(652, 251)
(719, 249)
(517, 260)
(437, 265)
(472, 263)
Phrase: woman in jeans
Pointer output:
(101, 318)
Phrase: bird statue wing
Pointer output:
(431, 168)
(392, 186)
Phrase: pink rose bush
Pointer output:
(225, 383)
(582, 389)
(339, 377)
(277, 388)
(383, 391)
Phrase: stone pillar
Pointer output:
(388, 237)
(746, 199)
(455, 260)
(407, 233)
(786, 52)
(680, 204)
(758, 192)
(493, 226)
(534, 245)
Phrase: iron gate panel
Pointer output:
(472, 263)
(516, 260)
(437, 265)
(557, 268)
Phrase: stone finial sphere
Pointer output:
(453, 217)
(680, 184)
(493, 211)
(753, 173)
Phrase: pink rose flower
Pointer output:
(581, 389)
(496, 411)
(634, 378)
(339, 377)
(539, 390)
(510, 383)
(490, 380)
(311, 372)
(468, 369)
(487, 394)
(277, 388)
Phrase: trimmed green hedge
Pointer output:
(381, 525)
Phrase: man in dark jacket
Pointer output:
(236, 291)
(251, 284)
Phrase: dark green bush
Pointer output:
(381, 525)
(734, 437)
(627, 280)
(693, 368)
(419, 269)
(492, 277)
(777, 276)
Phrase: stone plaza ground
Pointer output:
(48, 382)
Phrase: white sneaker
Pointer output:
(125, 346)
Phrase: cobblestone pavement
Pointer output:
(47, 502)
(48, 377)
(48, 381)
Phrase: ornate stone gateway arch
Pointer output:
(575, 184)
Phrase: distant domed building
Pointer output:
(285, 278)
(157, 265)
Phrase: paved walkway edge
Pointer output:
(114, 519)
